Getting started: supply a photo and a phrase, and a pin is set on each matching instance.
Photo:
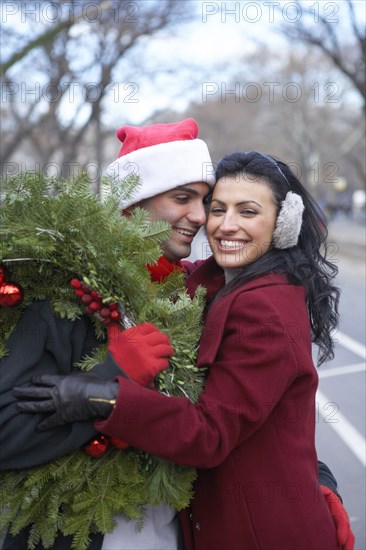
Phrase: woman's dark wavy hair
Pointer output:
(306, 263)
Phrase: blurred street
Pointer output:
(349, 235)
(342, 388)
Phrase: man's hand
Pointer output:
(345, 537)
(70, 398)
(141, 351)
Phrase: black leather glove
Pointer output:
(74, 397)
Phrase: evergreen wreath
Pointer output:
(52, 231)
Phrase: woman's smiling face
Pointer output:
(183, 207)
(241, 221)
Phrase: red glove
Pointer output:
(345, 537)
(141, 351)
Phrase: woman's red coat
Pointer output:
(251, 436)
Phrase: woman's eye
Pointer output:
(248, 212)
(216, 210)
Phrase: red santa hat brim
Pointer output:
(179, 159)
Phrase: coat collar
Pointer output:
(209, 275)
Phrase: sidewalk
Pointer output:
(349, 235)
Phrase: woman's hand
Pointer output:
(141, 351)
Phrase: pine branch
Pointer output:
(51, 232)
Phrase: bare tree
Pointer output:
(298, 109)
(57, 84)
(325, 31)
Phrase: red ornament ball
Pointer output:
(3, 274)
(11, 294)
(98, 446)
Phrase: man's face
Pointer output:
(183, 208)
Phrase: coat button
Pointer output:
(198, 527)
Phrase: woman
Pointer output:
(270, 294)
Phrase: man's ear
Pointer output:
(128, 211)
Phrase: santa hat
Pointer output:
(164, 156)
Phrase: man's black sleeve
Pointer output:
(327, 478)
(42, 344)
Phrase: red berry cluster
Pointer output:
(94, 303)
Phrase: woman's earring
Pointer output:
(289, 220)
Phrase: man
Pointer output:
(176, 175)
